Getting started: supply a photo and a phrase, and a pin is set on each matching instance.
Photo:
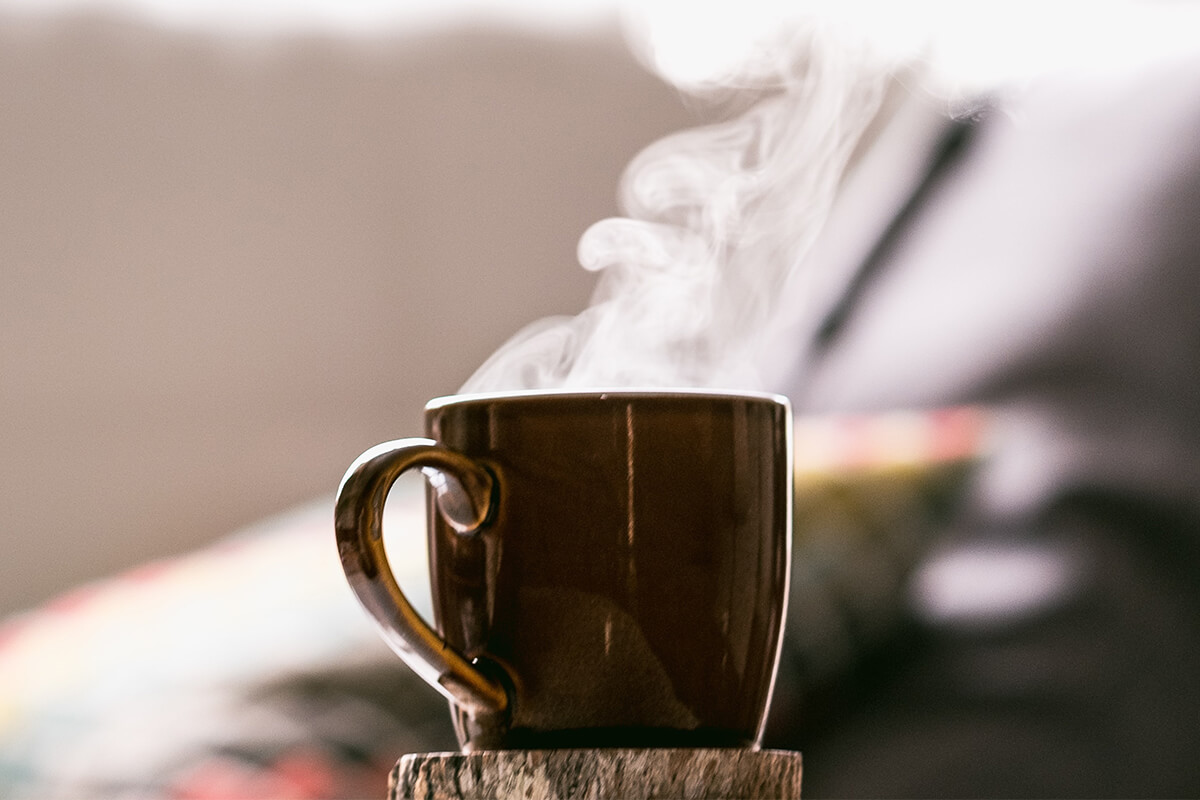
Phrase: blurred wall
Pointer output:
(227, 267)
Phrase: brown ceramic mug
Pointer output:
(608, 568)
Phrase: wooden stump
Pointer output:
(629, 774)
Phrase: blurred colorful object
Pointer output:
(243, 670)
(872, 490)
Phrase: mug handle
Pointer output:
(465, 493)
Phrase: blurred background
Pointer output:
(241, 242)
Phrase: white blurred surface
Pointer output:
(333, 16)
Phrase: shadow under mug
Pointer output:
(609, 569)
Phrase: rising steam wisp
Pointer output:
(717, 220)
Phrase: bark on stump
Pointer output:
(629, 774)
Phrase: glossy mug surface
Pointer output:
(608, 568)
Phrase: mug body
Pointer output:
(630, 586)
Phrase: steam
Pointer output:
(717, 220)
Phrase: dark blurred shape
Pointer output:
(1049, 634)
